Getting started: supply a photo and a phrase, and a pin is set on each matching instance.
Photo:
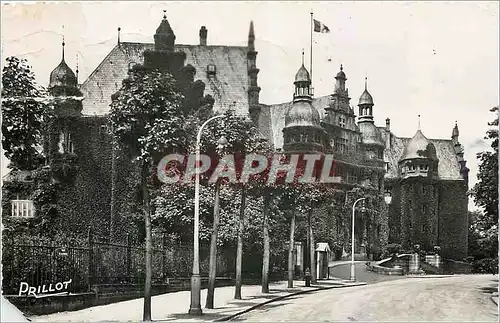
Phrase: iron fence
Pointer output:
(99, 262)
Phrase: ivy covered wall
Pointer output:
(84, 197)
(453, 221)
(429, 213)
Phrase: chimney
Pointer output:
(203, 36)
(388, 124)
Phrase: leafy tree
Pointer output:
(148, 122)
(22, 115)
(484, 225)
(485, 192)
(241, 136)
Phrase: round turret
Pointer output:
(164, 37)
(164, 27)
(302, 75)
(365, 98)
(419, 147)
(370, 134)
(62, 75)
(302, 114)
(341, 74)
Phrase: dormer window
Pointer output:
(131, 65)
(211, 70)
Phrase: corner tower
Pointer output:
(370, 134)
(303, 131)
(59, 137)
(419, 190)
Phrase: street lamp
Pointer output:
(353, 274)
(195, 308)
(388, 200)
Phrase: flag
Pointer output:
(319, 27)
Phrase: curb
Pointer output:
(430, 276)
(279, 298)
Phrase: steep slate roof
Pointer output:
(448, 166)
(229, 85)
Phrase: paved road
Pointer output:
(457, 298)
(362, 275)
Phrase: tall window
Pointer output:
(22, 208)
(69, 143)
(341, 145)
(352, 178)
(342, 121)
(65, 143)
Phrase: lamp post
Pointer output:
(388, 200)
(195, 307)
(353, 273)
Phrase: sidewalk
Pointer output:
(174, 306)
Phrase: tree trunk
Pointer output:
(312, 247)
(291, 246)
(267, 247)
(239, 250)
(149, 244)
(213, 249)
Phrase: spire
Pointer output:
(365, 99)
(119, 29)
(164, 37)
(63, 44)
(251, 38)
(77, 68)
(341, 74)
(252, 70)
(419, 122)
(455, 131)
(302, 56)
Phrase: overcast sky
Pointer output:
(436, 59)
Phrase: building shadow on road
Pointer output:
(262, 308)
(206, 316)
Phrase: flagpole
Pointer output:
(311, 56)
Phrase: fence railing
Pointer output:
(98, 262)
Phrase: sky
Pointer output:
(439, 60)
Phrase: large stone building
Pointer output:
(427, 178)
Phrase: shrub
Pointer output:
(485, 266)
(392, 250)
